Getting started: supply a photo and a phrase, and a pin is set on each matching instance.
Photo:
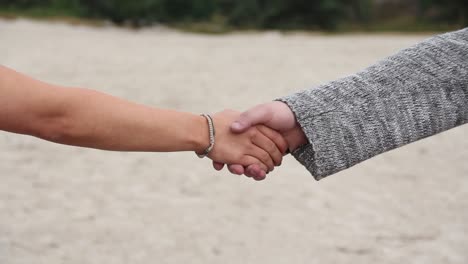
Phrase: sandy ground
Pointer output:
(61, 204)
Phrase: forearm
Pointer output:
(82, 117)
(102, 121)
(416, 93)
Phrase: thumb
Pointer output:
(260, 114)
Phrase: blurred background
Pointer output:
(61, 204)
(224, 15)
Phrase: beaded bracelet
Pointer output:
(212, 136)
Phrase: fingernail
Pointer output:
(237, 125)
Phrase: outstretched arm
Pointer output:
(416, 93)
(87, 118)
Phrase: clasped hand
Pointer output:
(254, 142)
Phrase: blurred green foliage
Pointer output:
(258, 14)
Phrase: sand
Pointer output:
(60, 204)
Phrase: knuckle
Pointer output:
(272, 148)
(241, 158)
(278, 139)
(245, 160)
(250, 148)
(253, 133)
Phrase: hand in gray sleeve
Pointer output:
(416, 93)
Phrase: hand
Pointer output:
(257, 145)
(275, 115)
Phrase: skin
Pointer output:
(87, 118)
(275, 115)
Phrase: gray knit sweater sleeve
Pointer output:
(416, 93)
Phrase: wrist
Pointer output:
(295, 138)
(200, 134)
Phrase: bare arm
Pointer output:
(82, 117)
(87, 118)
